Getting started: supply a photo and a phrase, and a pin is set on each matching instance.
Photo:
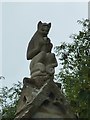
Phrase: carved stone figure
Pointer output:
(41, 97)
(43, 62)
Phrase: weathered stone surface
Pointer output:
(46, 102)
(43, 62)
(41, 97)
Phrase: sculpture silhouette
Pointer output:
(39, 51)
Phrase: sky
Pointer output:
(19, 23)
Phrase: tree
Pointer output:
(75, 71)
(8, 100)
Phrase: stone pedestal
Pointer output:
(45, 102)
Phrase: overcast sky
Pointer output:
(19, 22)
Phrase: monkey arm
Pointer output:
(32, 53)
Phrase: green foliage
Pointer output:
(75, 71)
(8, 100)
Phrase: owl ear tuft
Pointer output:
(39, 23)
(49, 24)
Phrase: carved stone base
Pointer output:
(37, 82)
(45, 102)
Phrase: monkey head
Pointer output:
(43, 28)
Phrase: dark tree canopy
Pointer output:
(8, 100)
(75, 71)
